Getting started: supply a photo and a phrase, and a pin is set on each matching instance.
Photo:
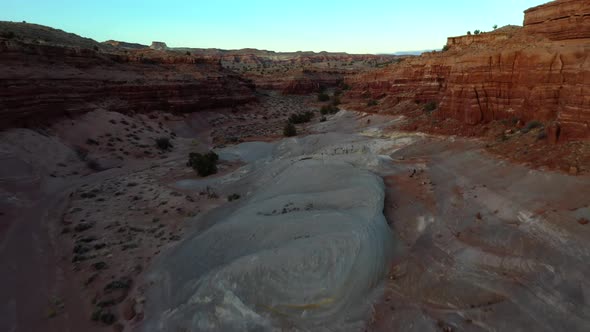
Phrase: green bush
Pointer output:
(430, 106)
(445, 48)
(233, 197)
(530, 126)
(323, 97)
(290, 130)
(329, 109)
(204, 164)
(335, 101)
(298, 118)
(163, 143)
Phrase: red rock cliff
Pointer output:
(518, 74)
(559, 20)
(42, 82)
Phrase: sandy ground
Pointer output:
(88, 205)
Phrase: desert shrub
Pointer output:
(503, 137)
(203, 164)
(445, 48)
(163, 143)
(81, 152)
(337, 92)
(430, 106)
(477, 32)
(91, 141)
(372, 102)
(93, 165)
(345, 87)
(233, 197)
(329, 109)
(530, 126)
(335, 101)
(95, 48)
(301, 117)
(289, 130)
(323, 97)
(7, 34)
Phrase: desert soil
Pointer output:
(89, 204)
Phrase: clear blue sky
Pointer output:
(360, 26)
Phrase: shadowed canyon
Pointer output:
(151, 188)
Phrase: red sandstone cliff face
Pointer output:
(299, 72)
(559, 20)
(519, 74)
(42, 82)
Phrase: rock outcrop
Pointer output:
(42, 82)
(298, 72)
(509, 73)
(160, 46)
(559, 20)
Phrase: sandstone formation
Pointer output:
(160, 46)
(559, 20)
(41, 82)
(510, 73)
(301, 252)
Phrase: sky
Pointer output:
(361, 26)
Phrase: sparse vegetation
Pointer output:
(495, 26)
(93, 165)
(477, 32)
(323, 119)
(7, 34)
(163, 143)
(541, 136)
(531, 125)
(233, 197)
(335, 101)
(329, 109)
(345, 87)
(445, 48)
(469, 33)
(91, 141)
(372, 102)
(430, 106)
(290, 130)
(203, 164)
(298, 118)
(323, 97)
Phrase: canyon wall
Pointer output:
(559, 20)
(512, 73)
(41, 82)
(297, 72)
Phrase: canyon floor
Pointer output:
(351, 225)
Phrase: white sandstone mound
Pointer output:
(306, 250)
